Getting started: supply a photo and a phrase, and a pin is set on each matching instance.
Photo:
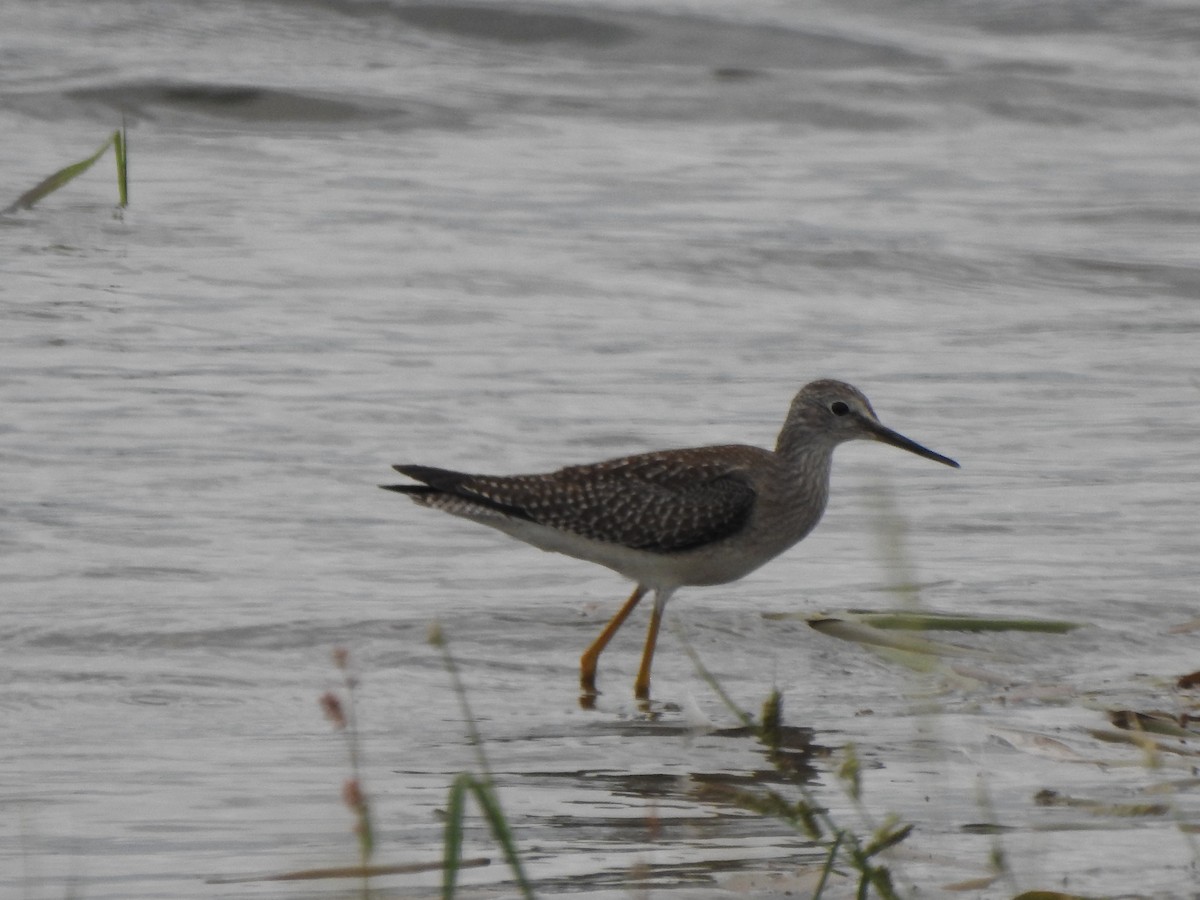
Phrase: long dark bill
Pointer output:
(885, 434)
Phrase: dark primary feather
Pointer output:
(448, 482)
(664, 503)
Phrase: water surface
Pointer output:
(511, 237)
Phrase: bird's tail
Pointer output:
(435, 481)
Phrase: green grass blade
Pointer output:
(828, 867)
(881, 880)
(121, 150)
(481, 787)
(53, 182)
(437, 639)
(490, 805)
(453, 839)
(864, 883)
(888, 836)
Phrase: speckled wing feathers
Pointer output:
(660, 502)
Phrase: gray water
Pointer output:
(509, 237)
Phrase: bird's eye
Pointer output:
(838, 408)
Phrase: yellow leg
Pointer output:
(591, 656)
(641, 687)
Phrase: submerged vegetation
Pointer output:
(118, 140)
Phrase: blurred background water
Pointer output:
(508, 237)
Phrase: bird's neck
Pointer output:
(808, 457)
(805, 492)
(805, 447)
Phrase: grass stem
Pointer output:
(118, 140)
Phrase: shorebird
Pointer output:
(700, 516)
